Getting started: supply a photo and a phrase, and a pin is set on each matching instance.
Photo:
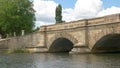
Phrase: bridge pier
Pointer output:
(80, 48)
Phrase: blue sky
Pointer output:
(109, 3)
(71, 3)
(66, 3)
(73, 9)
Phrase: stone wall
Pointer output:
(31, 40)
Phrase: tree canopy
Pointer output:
(16, 15)
(58, 14)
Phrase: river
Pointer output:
(59, 60)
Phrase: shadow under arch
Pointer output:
(108, 43)
(61, 45)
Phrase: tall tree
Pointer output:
(16, 15)
(58, 14)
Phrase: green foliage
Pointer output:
(16, 15)
(58, 13)
(18, 50)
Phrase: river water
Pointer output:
(59, 60)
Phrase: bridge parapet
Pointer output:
(69, 25)
(104, 20)
(112, 18)
(95, 21)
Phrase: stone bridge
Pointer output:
(100, 34)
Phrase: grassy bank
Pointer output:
(18, 50)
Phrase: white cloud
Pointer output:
(40, 23)
(45, 11)
(68, 14)
(83, 9)
(87, 8)
(108, 11)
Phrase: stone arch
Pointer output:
(62, 37)
(107, 43)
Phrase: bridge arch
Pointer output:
(107, 43)
(62, 42)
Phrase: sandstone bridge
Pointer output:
(100, 34)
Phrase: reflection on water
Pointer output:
(60, 60)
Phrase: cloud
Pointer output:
(87, 8)
(83, 9)
(41, 23)
(108, 11)
(44, 11)
(68, 14)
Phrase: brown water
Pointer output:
(60, 60)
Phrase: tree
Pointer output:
(16, 15)
(58, 12)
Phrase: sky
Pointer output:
(73, 10)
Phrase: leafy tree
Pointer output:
(16, 15)
(58, 14)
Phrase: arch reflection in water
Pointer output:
(61, 45)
